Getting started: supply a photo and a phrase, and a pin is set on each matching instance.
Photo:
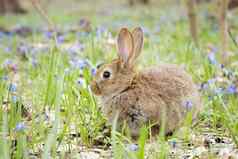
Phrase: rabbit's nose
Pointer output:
(95, 88)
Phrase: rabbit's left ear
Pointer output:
(125, 45)
(138, 39)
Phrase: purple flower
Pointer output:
(76, 48)
(100, 31)
(146, 31)
(5, 78)
(60, 39)
(231, 89)
(48, 34)
(203, 86)
(7, 62)
(188, 105)
(133, 147)
(7, 49)
(211, 81)
(20, 127)
(34, 62)
(212, 58)
(81, 81)
(12, 87)
(23, 49)
(93, 71)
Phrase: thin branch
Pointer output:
(232, 37)
(42, 12)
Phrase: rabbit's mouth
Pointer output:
(95, 88)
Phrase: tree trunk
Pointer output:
(191, 12)
(223, 5)
(11, 6)
(233, 4)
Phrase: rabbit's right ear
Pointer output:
(125, 46)
(138, 39)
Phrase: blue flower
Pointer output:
(133, 147)
(12, 87)
(20, 126)
(2, 34)
(231, 89)
(173, 143)
(14, 99)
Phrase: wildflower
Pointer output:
(7, 62)
(12, 87)
(81, 82)
(7, 49)
(23, 49)
(212, 58)
(188, 105)
(82, 64)
(133, 147)
(5, 78)
(34, 62)
(93, 71)
(211, 81)
(1, 34)
(100, 31)
(146, 31)
(76, 48)
(203, 86)
(231, 89)
(60, 39)
(173, 143)
(20, 126)
(14, 99)
(48, 34)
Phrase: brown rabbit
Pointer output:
(164, 93)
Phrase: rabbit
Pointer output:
(159, 95)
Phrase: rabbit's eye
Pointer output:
(99, 65)
(106, 74)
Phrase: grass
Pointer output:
(62, 114)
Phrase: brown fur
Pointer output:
(152, 96)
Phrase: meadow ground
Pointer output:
(48, 111)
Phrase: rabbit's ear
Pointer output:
(138, 38)
(125, 45)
